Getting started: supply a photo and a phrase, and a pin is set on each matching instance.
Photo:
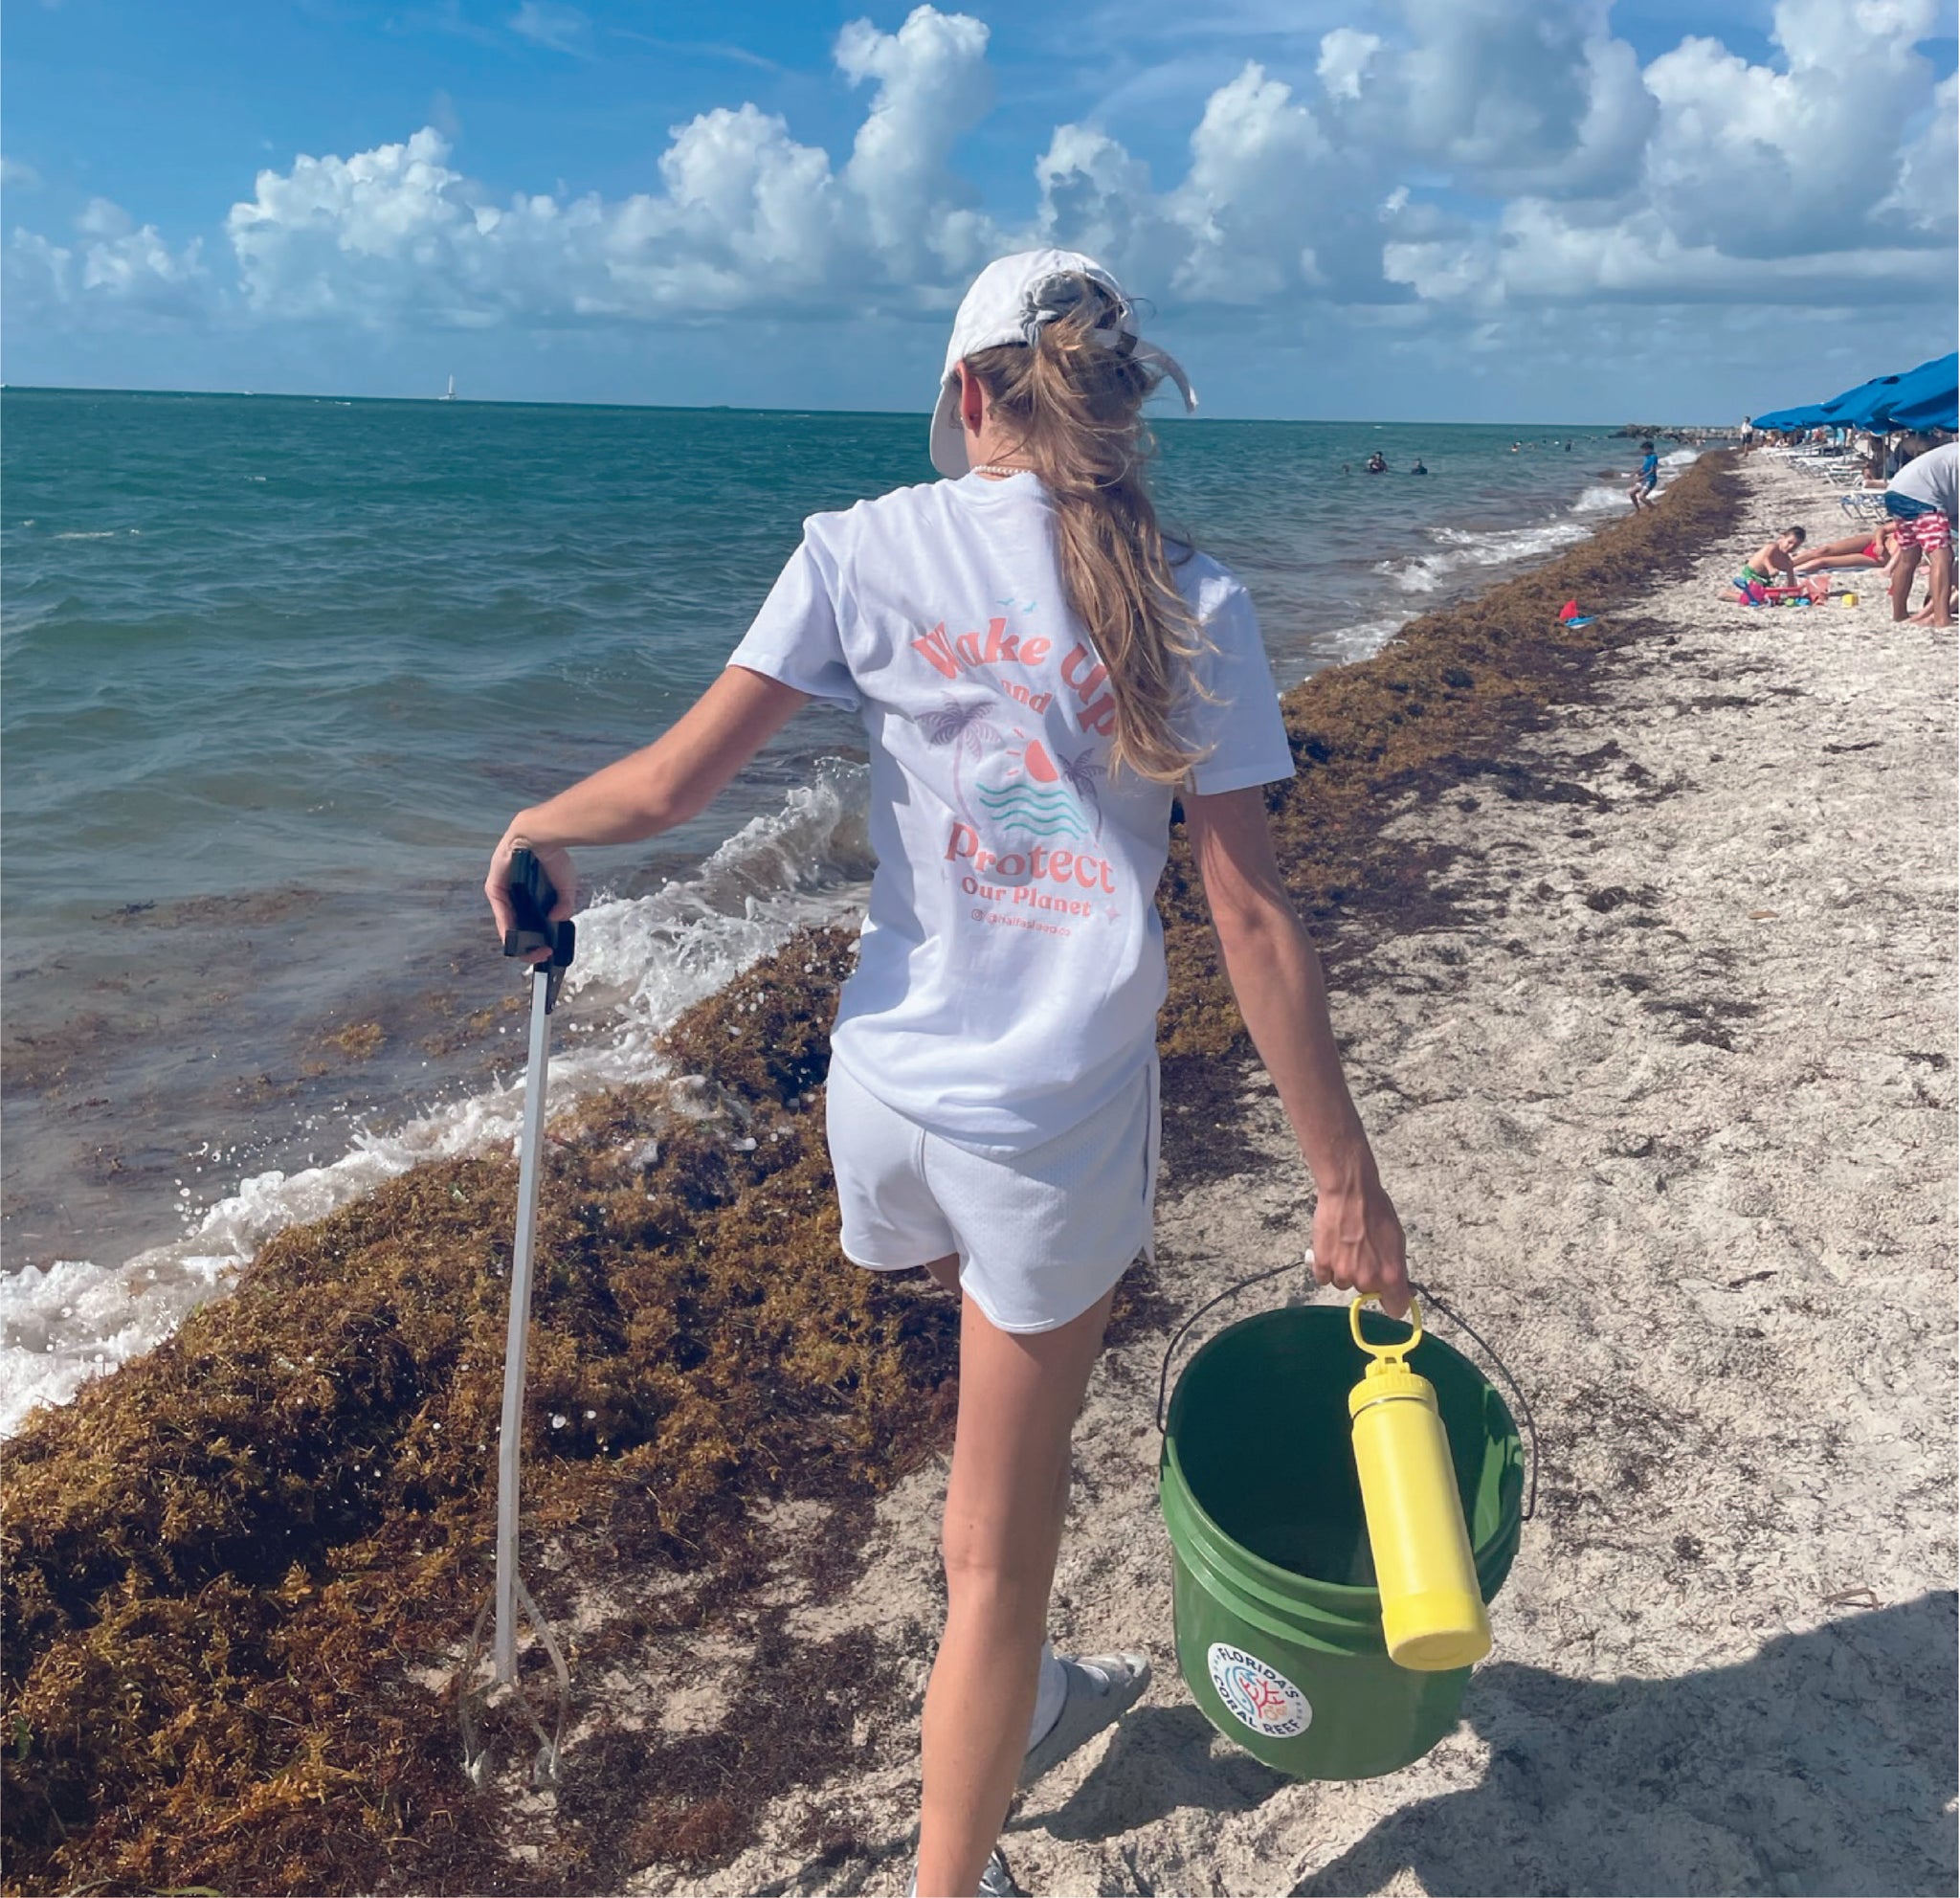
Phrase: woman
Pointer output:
(1037, 673)
(1874, 547)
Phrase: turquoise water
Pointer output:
(279, 670)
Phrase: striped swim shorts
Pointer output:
(1918, 524)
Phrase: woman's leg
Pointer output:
(1019, 1394)
(1839, 553)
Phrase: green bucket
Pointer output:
(1279, 1625)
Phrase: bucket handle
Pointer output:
(1178, 1336)
(1429, 1298)
(1456, 1318)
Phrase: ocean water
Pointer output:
(278, 671)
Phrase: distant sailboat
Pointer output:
(451, 396)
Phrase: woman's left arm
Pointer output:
(650, 790)
(1276, 977)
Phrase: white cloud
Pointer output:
(1345, 57)
(1486, 156)
(562, 29)
(1536, 254)
(113, 264)
(746, 218)
(1096, 197)
(1925, 197)
(19, 176)
(1268, 209)
(1254, 200)
(1755, 183)
(1500, 96)
(933, 87)
(1765, 162)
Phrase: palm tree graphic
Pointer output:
(1079, 774)
(968, 729)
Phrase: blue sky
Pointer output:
(1477, 209)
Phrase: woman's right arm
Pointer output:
(1276, 978)
(650, 790)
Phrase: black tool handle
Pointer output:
(531, 897)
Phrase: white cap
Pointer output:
(1008, 303)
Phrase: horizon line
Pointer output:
(745, 409)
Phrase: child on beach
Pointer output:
(993, 1098)
(1760, 570)
(1644, 481)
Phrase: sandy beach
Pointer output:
(1665, 1100)
(1646, 993)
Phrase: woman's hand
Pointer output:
(1358, 1245)
(552, 858)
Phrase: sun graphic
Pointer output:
(1032, 760)
(1032, 757)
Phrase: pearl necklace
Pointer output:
(998, 468)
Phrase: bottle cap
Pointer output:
(1388, 1373)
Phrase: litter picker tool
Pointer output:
(531, 898)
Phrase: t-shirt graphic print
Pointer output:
(1027, 814)
(1011, 961)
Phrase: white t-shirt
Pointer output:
(1011, 962)
(1932, 478)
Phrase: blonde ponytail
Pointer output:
(1072, 406)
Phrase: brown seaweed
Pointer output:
(238, 1570)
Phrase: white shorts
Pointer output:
(1040, 1235)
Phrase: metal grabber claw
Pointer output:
(531, 898)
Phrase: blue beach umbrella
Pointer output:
(1809, 416)
(1898, 401)
(1855, 402)
(1925, 397)
(1921, 398)
(1935, 411)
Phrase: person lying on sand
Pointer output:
(1760, 570)
(1871, 549)
(993, 1104)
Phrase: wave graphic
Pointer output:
(1020, 807)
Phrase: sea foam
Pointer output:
(641, 961)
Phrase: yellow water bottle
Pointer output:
(1433, 1614)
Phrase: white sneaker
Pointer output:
(995, 1880)
(1102, 1687)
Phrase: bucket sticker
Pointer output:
(1260, 1696)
